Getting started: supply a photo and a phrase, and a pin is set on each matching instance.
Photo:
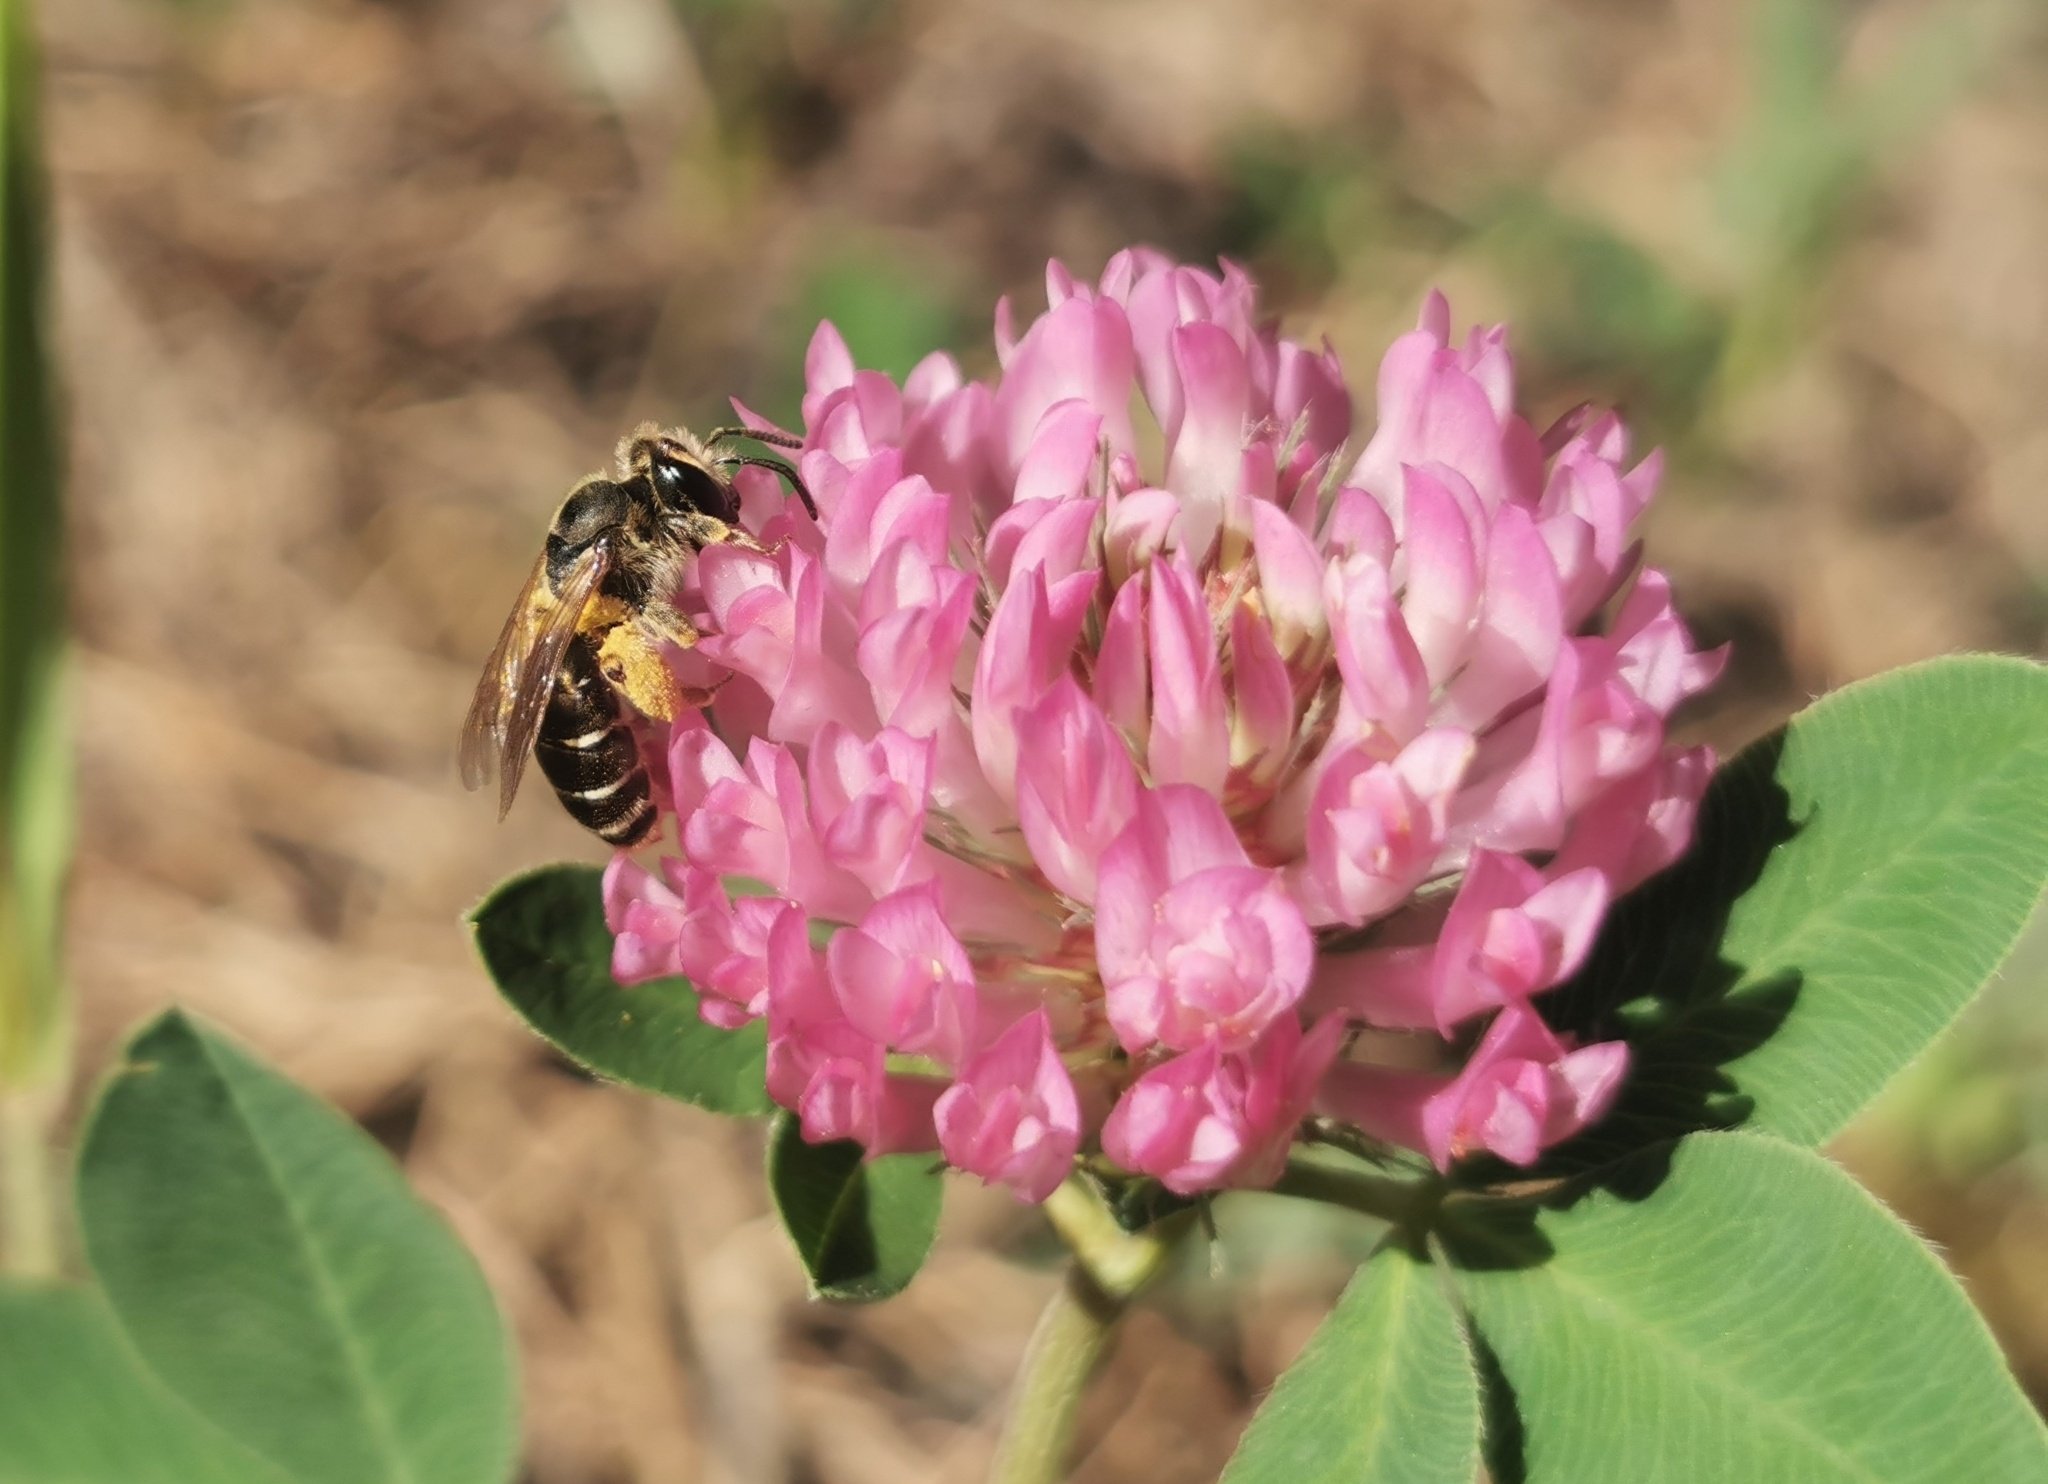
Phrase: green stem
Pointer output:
(1072, 1333)
(1110, 1268)
(1401, 1202)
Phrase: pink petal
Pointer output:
(1520, 626)
(828, 367)
(1262, 696)
(1309, 393)
(1140, 526)
(1029, 643)
(1205, 1120)
(1076, 787)
(1441, 600)
(1195, 944)
(1012, 1116)
(1204, 445)
(1384, 682)
(1522, 1090)
(868, 800)
(1065, 450)
(1359, 526)
(908, 654)
(1290, 580)
(902, 978)
(1079, 350)
(1376, 828)
(1189, 740)
(932, 380)
(1510, 934)
(1059, 544)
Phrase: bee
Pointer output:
(594, 619)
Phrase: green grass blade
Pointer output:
(35, 763)
(35, 784)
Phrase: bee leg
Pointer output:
(700, 531)
(669, 625)
(673, 628)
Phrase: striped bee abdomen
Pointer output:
(587, 752)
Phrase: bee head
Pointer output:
(683, 483)
(678, 468)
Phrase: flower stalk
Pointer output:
(1109, 1269)
(1398, 1202)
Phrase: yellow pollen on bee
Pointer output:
(603, 614)
(637, 668)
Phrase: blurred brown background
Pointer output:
(351, 290)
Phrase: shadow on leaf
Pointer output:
(1503, 1434)
(827, 1207)
(1656, 978)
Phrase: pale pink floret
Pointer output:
(688, 925)
(1511, 932)
(1642, 824)
(1012, 1116)
(868, 798)
(644, 913)
(1213, 1118)
(1128, 744)
(903, 980)
(1197, 945)
(1376, 828)
(834, 1076)
(1524, 1089)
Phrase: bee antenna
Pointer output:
(781, 467)
(770, 436)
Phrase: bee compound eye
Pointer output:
(684, 484)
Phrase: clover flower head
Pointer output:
(1139, 742)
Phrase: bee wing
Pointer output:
(519, 677)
